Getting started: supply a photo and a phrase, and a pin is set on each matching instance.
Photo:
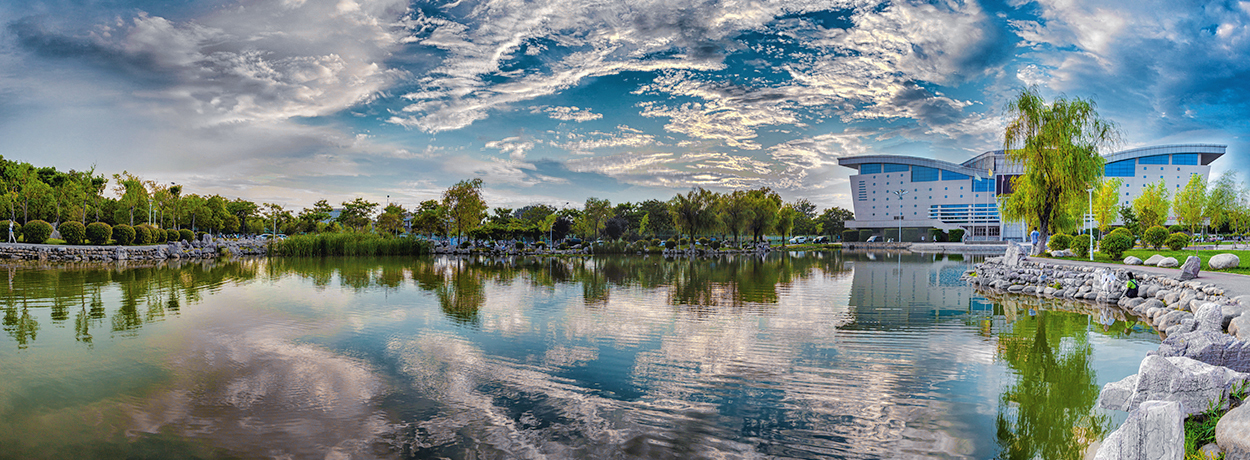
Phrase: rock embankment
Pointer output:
(199, 249)
(1203, 359)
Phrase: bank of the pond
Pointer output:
(1203, 360)
(206, 249)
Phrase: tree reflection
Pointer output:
(1046, 413)
(19, 325)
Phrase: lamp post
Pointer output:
(900, 192)
(1090, 230)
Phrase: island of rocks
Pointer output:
(206, 248)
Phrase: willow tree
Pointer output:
(1057, 144)
(694, 212)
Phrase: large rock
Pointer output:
(1154, 431)
(1154, 260)
(1239, 327)
(1232, 433)
(1130, 260)
(1211, 347)
(1168, 262)
(1191, 267)
(1015, 253)
(1223, 261)
(1192, 383)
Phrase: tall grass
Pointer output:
(348, 244)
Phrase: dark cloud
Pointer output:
(34, 35)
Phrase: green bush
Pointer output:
(1059, 242)
(1114, 244)
(158, 234)
(683, 242)
(715, 245)
(1155, 237)
(73, 232)
(1080, 246)
(185, 234)
(36, 231)
(520, 245)
(937, 235)
(656, 242)
(172, 235)
(703, 241)
(124, 234)
(864, 235)
(1124, 231)
(540, 244)
(99, 233)
(1176, 229)
(670, 244)
(349, 244)
(17, 230)
(957, 235)
(850, 236)
(1178, 241)
(142, 235)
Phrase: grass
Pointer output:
(1200, 428)
(1204, 254)
(348, 244)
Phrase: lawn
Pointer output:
(1180, 256)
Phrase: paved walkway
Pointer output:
(1233, 284)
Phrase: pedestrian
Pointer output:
(1034, 236)
(1130, 286)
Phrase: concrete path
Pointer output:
(1233, 284)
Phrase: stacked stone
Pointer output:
(207, 249)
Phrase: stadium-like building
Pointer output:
(917, 194)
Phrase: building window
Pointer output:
(1187, 159)
(891, 167)
(870, 168)
(1119, 169)
(1153, 160)
(924, 174)
(948, 175)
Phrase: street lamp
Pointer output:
(1090, 230)
(900, 192)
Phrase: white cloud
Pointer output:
(569, 113)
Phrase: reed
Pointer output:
(348, 244)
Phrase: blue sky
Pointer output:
(554, 101)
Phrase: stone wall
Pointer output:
(207, 249)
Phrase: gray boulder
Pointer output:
(1211, 347)
(1015, 253)
(1223, 261)
(1168, 262)
(1232, 433)
(1154, 431)
(1239, 327)
(1153, 260)
(1130, 260)
(1192, 383)
(1191, 268)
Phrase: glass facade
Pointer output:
(892, 167)
(923, 174)
(1120, 169)
(947, 175)
(1153, 160)
(1185, 159)
(870, 168)
(983, 185)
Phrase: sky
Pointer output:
(554, 101)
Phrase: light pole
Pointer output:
(900, 192)
(1090, 230)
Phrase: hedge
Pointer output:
(124, 234)
(172, 235)
(1115, 244)
(99, 233)
(850, 236)
(73, 232)
(1155, 237)
(1059, 242)
(142, 235)
(1178, 241)
(937, 235)
(1080, 246)
(957, 235)
(185, 234)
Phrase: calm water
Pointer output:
(803, 355)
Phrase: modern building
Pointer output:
(893, 191)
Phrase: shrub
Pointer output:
(172, 235)
(1115, 244)
(36, 231)
(1176, 229)
(703, 241)
(864, 235)
(519, 245)
(715, 245)
(73, 232)
(1155, 237)
(1059, 242)
(1124, 231)
(124, 234)
(99, 233)
(850, 236)
(670, 244)
(1080, 246)
(4, 227)
(656, 242)
(540, 244)
(142, 235)
(185, 234)
(683, 242)
(957, 235)
(1178, 241)
(200, 235)
(158, 234)
(937, 235)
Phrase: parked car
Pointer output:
(821, 240)
(872, 239)
(798, 240)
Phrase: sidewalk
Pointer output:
(1233, 284)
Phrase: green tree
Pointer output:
(735, 212)
(693, 212)
(1106, 202)
(595, 214)
(764, 204)
(833, 220)
(785, 221)
(356, 214)
(429, 218)
(1152, 205)
(1222, 200)
(132, 196)
(1058, 145)
(465, 205)
(391, 221)
(659, 221)
(1190, 203)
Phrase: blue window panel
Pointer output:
(923, 174)
(870, 168)
(1153, 160)
(892, 167)
(947, 175)
(1189, 159)
(1119, 169)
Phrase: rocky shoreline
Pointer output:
(207, 248)
(1203, 360)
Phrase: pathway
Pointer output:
(1233, 284)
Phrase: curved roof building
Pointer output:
(915, 193)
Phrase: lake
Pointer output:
(793, 355)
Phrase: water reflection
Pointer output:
(802, 355)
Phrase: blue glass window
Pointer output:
(1190, 159)
(870, 168)
(1153, 160)
(892, 167)
(1122, 168)
(983, 185)
(923, 174)
(947, 175)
